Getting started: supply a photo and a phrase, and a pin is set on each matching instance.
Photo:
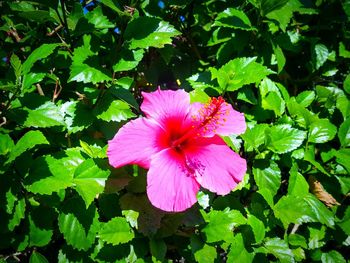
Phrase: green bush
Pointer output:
(71, 75)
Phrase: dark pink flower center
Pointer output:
(209, 118)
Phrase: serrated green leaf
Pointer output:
(27, 142)
(268, 6)
(320, 55)
(41, 52)
(206, 254)
(89, 180)
(16, 65)
(267, 175)
(6, 144)
(128, 60)
(85, 65)
(283, 13)
(116, 231)
(306, 97)
(343, 134)
(281, 59)
(38, 237)
(343, 52)
(36, 257)
(18, 214)
(297, 210)
(283, 138)
(297, 240)
(322, 131)
(346, 84)
(46, 115)
(155, 33)
(297, 184)
(332, 256)
(233, 18)
(158, 249)
(279, 248)
(99, 20)
(48, 175)
(77, 116)
(78, 224)
(238, 252)
(254, 137)
(111, 109)
(239, 72)
(271, 98)
(221, 224)
(343, 157)
(258, 228)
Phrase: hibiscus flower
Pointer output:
(179, 143)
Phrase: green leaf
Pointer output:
(221, 224)
(305, 98)
(346, 84)
(41, 52)
(283, 14)
(302, 209)
(99, 20)
(322, 131)
(254, 137)
(258, 228)
(343, 157)
(89, 180)
(18, 214)
(297, 184)
(343, 52)
(283, 138)
(154, 33)
(36, 257)
(6, 144)
(110, 109)
(38, 237)
(271, 98)
(203, 199)
(116, 231)
(128, 59)
(206, 254)
(77, 116)
(332, 256)
(48, 175)
(45, 115)
(78, 225)
(238, 252)
(267, 175)
(281, 59)
(268, 6)
(279, 248)
(239, 72)
(233, 18)
(85, 65)
(158, 249)
(16, 65)
(27, 142)
(343, 134)
(320, 55)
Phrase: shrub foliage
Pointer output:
(72, 73)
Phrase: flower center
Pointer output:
(210, 116)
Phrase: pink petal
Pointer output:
(165, 103)
(234, 121)
(135, 143)
(217, 117)
(170, 185)
(217, 167)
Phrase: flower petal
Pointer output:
(170, 185)
(216, 117)
(134, 143)
(217, 168)
(234, 121)
(165, 103)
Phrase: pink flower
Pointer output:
(178, 142)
